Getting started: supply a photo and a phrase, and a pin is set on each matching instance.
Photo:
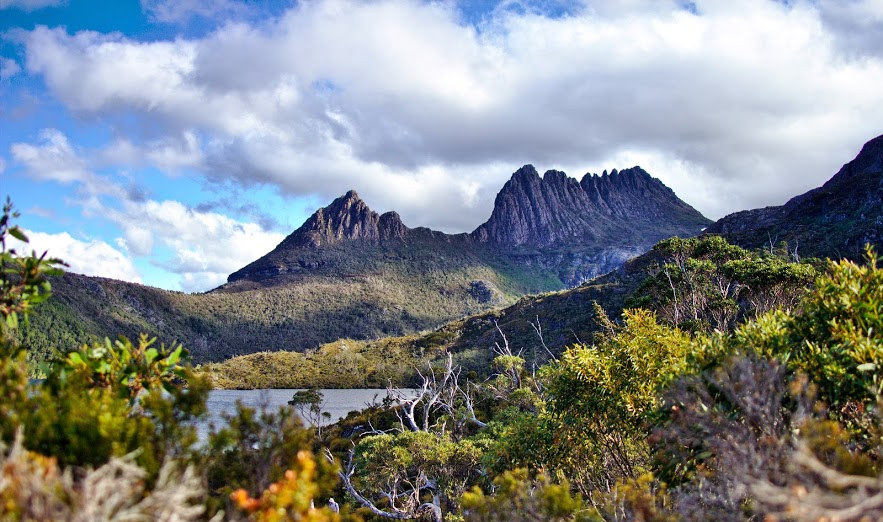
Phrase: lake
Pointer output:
(336, 402)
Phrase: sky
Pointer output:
(171, 142)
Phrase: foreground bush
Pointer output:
(34, 487)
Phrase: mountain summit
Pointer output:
(582, 229)
(555, 225)
(623, 208)
(347, 217)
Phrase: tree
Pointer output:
(706, 283)
(310, 403)
(424, 465)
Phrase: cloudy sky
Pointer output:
(171, 142)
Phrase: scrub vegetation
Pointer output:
(716, 383)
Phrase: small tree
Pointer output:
(310, 404)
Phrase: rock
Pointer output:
(623, 208)
(577, 229)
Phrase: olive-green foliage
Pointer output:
(641, 498)
(103, 401)
(739, 442)
(346, 363)
(832, 336)
(129, 370)
(837, 338)
(564, 317)
(254, 449)
(600, 398)
(418, 459)
(705, 283)
(109, 400)
(23, 278)
(363, 293)
(517, 498)
(126, 411)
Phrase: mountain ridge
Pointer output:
(834, 220)
(349, 272)
(555, 223)
(544, 211)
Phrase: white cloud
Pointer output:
(747, 102)
(8, 68)
(206, 246)
(90, 257)
(170, 154)
(28, 5)
(55, 159)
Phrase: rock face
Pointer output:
(625, 208)
(835, 220)
(585, 228)
(347, 217)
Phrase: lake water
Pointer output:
(338, 403)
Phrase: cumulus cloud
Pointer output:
(55, 159)
(28, 5)
(201, 247)
(748, 103)
(8, 68)
(90, 257)
(205, 246)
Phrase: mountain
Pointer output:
(552, 225)
(582, 229)
(619, 208)
(835, 220)
(349, 272)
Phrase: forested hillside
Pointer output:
(699, 284)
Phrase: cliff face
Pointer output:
(581, 229)
(835, 220)
(623, 209)
(347, 217)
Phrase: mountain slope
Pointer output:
(834, 220)
(564, 317)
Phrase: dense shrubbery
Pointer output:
(346, 363)
(735, 394)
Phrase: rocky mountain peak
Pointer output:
(526, 173)
(835, 220)
(869, 160)
(346, 218)
(557, 209)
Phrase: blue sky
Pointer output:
(172, 142)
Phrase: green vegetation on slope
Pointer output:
(362, 291)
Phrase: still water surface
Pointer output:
(336, 402)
